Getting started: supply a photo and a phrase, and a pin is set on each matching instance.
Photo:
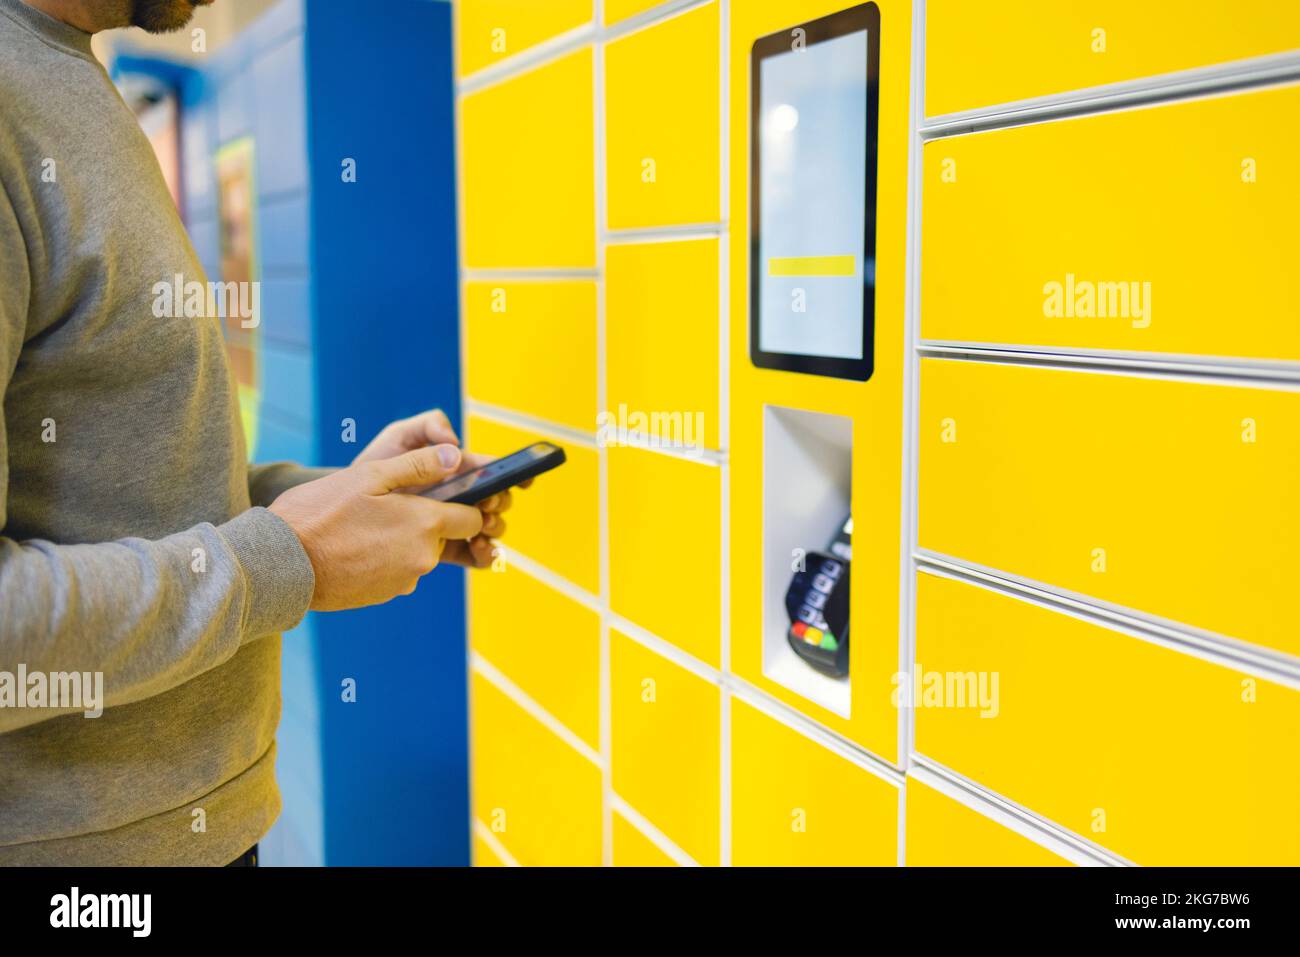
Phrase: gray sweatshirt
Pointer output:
(129, 541)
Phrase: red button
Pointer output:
(799, 629)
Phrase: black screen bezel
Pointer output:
(865, 16)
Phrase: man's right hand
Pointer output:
(368, 542)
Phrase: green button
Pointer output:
(829, 642)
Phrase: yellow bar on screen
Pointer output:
(812, 266)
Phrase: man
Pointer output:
(134, 540)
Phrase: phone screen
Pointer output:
(486, 473)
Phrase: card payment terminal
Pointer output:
(818, 604)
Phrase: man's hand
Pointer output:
(369, 542)
(434, 428)
(406, 435)
(477, 552)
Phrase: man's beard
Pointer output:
(161, 16)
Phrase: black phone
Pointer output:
(481, 483)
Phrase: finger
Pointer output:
(427, 428)
(473, 460)
(497, 503)
(477, 553)
(436, 428)
(458, 553)
(418, 467)
(494, 525)
(482, 550)
(458, 521)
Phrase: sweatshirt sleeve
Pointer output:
(149, 615)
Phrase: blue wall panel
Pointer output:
(286, 377)
(284, 438)
(234, 91)
(206, 238)
(298, 838)
(283, 234)
(280, 125)
(384, 266)
(286, 312)
(360, 322)
(198, 139)
(278, 23)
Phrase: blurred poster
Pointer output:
(236, 205)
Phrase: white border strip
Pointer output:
(484, 833)
(665, 649)
(651, 833)
(602, 453)
(553, 580)
(1222, 78)
(497, 679)
(911, 404)
(724, 423)
(650, 17)
(1282, 376)
(1047, 834)
(1265, 663)
(665, 234)
(636, 440)
(528, 423)
(529, 274)
(537, 55)
(814, 731)
(554, 48)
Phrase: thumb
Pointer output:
(419, 467)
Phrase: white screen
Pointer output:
(812, 189)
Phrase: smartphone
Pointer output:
(474, 486)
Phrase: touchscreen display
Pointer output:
(814, 196)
